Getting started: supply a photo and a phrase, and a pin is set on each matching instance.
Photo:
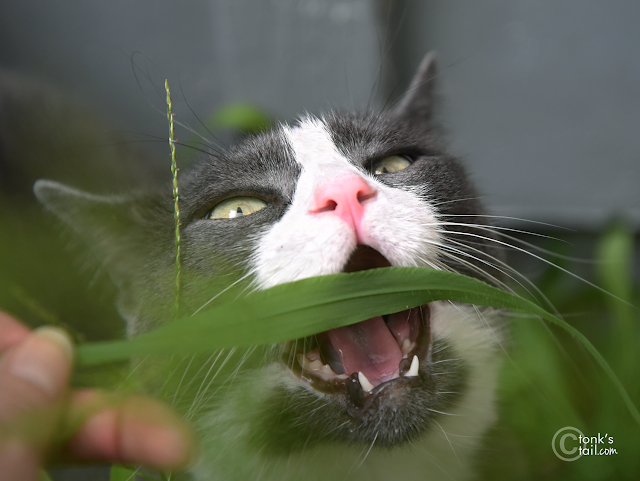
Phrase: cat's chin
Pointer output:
(378, 357)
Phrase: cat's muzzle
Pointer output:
(361, 361)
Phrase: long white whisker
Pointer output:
(197, 398)
(443, 250)
(492, 229)
(510, 269)
(519, 249)
(449, 441)
(508, 218)
(220, 293)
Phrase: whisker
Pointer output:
(492, 229)
(519, 249)
(510, 218)
(197, 398)
(513, 271)
(448, 440)
(220, 293)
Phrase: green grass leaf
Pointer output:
(302, 308)
(121, 473)
(43, 476)
(126, 473)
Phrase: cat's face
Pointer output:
(334, 194)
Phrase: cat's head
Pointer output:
(336, 193)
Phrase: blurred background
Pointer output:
(539, 98)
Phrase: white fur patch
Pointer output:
(400, 225)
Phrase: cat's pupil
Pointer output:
(384, 170)
(239, 211)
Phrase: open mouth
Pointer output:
(360, 360)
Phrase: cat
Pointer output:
(404, 396)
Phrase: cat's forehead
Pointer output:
(315, 150)
(336, 139)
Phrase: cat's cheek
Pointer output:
(403, 228)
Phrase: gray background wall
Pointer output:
(540, 97)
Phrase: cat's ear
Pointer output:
(416, 105)
(104, 223)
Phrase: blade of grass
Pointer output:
(43, 476)
(121, 473)
(126, 473)
(309, 306)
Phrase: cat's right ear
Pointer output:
(416, 105)
(103, 222)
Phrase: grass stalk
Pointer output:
(176, 197)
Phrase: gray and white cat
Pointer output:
(405, 396)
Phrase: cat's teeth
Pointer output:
(308, 365)
(406, 347)
(413, 370)
(364, 382)
(314, 366)
(326, 369)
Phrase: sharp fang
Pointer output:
(364, 382)
(413, 370)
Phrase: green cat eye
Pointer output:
(236, 207)
(393, 163)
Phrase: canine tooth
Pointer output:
(354, 389)
(364, 382)
(413, 370)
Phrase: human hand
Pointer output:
(40, 415)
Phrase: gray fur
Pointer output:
(267, 421)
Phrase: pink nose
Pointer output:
(344, 197)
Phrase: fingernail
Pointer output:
(43, 359)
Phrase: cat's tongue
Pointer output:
(367, 347)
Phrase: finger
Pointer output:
(33, 379)
(35, 372)
(134, 430)
(11, 332)
(18, 462)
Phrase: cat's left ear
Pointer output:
(416, 105)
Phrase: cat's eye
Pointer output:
(236, 207)
(388, 165)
